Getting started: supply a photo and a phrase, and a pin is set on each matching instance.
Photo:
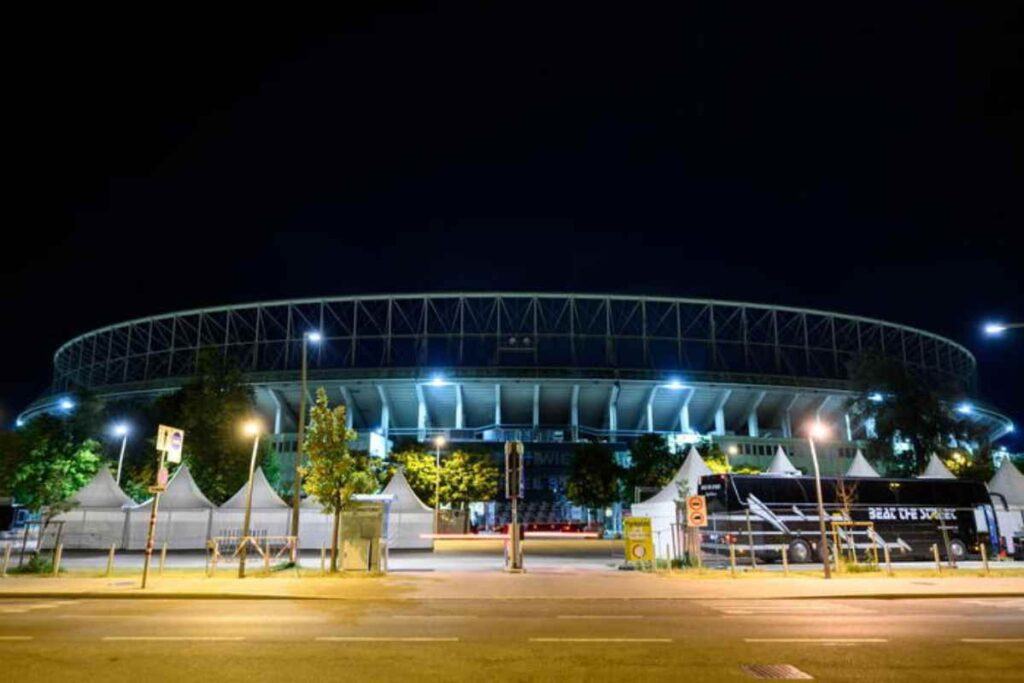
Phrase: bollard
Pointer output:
(6, 561)
(323, 558)
(110, 559)
(163, 558)
(888, 560)
(938, 562)
(784, 551)
(732, 560)
(57, 553)
(984, 558)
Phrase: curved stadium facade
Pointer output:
(548, 369)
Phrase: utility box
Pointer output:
(363, 536)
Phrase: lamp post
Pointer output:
(121, 430)
(252, 429)
(439, 442)
(315, 338)
(820, 431)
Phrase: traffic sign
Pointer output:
(170, 440)
(637, 535)
(696, 511)
(515, 472)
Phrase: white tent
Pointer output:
(782, 466)
(98, 518)
(270, 514)
(314, 524)
(661, 507)
(860, 467)
(1008, 483)
(936, 470)
(409, 517)
(183, 519)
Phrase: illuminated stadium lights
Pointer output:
(675, 385)
(996, 329)
(66, 404)
(965, 408)
(876, 397)
(314, 337)
(438, 381)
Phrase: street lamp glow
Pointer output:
(120, 429)
(251, 428)
(67, 404)
(994, 329)
(439, 441)
(21, 423)
(819, 430)
(876, 397)
(438, 381)
(314, 337)
(965, 409)
(675, 385)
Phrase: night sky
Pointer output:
(869, 161)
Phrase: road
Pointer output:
(567, 640)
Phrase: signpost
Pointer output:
(514, 480)
(169, 441)
(696, 519)
(637, 535)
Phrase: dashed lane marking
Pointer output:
(823, 641)
(386, 639)
(174, 638)
(600, 617)
(14, 638)
(992, 640)
(600, 640)
(774, 607)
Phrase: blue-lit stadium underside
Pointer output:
(549, 369)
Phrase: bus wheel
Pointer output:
(799, 552)
(957, 549)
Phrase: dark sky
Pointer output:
(863, 160)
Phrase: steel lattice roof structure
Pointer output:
(474, 364)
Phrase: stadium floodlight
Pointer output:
(876, 397)
(19, 422)
(965, 408)
(67, 404)
(438, 381)
(314, 336)
(675, 385)
(996, 329)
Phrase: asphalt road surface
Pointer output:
(481, 640)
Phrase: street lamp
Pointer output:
(121, 430)
(819, 431)
(67, 405)
(313, 337)
(439, 442)
(732, 450)
(997, 329)
(251, 428)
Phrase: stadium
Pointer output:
(551, 370)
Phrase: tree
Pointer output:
(714, 457)
(909, 409)
(334, 473)
(51, 467)
(211, 409)
(594, 477)
(653, 465)
(12, 447)
(465, 477)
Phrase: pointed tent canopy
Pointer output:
(1009, 483)
(405, 499)
(263, 496)
(936, 470)
(781, 465)
(102, 492)
(182, 493)
(860, 467)
(690, 472)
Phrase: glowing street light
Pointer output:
(66, 404)
(965, 408)
(311, 337)
(120, 429)
(251, 428)
(819, 431)
(731, 451)
(997, 329)
(439, 442)
(876, 397)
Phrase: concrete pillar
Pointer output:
(497, 405)
(350, 406)
(421, 413)
(536, 406)
(849, 429)
(684, 413)
(574, 412)
(460, 422)
(277, 411)
(385, 411)
(613, 411)
(649, 408)
(720, 411)
(752, 426)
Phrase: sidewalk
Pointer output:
(537, 585)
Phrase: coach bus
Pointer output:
(761, 514)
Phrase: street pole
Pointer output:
(437, 486)
(821, 509)
(248, 509)
(120, 458)
(297, 484)
(151, 535)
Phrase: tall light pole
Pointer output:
(439, 442)
(307, 338)
(121, 430)
(820, 431)
(252, 429)
(997, 329)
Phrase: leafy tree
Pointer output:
(715, 458)
(12, 447)
(594, 477)
(653, 465)
(211, 409)
(911, 409)
(465, 477)
(334, 473)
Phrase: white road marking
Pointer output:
(173, 638)
(600, 640)
(788, 607)
(992, 640)
(22, 609)
(816, 640)
(385, 639)
(998, 603)
(4, 638)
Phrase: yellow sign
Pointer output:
(637, 534)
